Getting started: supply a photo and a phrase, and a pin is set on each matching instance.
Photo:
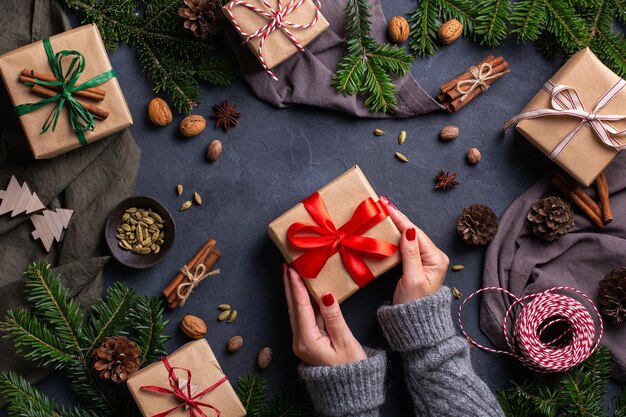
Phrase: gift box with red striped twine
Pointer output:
(552, 332)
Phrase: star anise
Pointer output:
(445, 180)
(226, 115)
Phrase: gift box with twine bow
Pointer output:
(339, 238)
(578, 118)
(70, 115)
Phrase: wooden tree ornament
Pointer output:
(18, 199)
(50, 225)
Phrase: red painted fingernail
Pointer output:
(387, 201)
(411, 234)
(328, 300)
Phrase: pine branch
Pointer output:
(147, 320)
(424, 24)
(251, 390)
(611, 49)
(49, 300)
(491, 22)
(620, 410)
(17, 391)
(108, 316)
(528, 19)
(567, 27)
(461, 10)
(290, 402)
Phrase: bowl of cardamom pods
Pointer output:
(140, 232)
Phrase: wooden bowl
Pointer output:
(126, 257)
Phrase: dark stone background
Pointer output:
(274, 158)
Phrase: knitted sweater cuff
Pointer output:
(420, 323)
(350, 389)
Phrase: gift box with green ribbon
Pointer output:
(51, 84)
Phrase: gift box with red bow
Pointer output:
(578, 118)
(275, 30)
(189, 382)
(340, 238)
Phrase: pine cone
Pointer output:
(117, 358)
(202, 17)
(551, 218)
(612, 295)
(477, 225)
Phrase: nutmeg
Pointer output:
(265, 357)
(193, 326)
(192, 125)
(473, 156)
(159, 112)
(449, 133)
(214, 150)
(450, 31)
(398, 29)
(235, 343)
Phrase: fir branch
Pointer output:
(611, 49)
(147, 320)
(17, 391)
(251, 390)
(424, 24)
(567, 27)
(491, 21)
(620, 410)
(50, 303)
(528, 19)
(461, 10)
(290, 402)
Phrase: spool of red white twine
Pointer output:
(538, 314)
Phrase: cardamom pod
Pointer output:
(402, 137)
(457, 268)
(401, 157)
(179, 189)
(379, 132)
(233, 316)
(456, 293)
(185, 205)
(131, 210)
(223, 315)
(197, 199)
(224, 307)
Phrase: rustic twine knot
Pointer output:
(480, 76)
(192, 280)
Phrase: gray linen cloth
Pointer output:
(305, 79)
(523, 264)
(90, 180)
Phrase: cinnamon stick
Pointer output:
(209, 261)
(465, 76)
(457, 103)
(92, 108)
(171, 287)
(571, 194)
(582, 195)
(84, 94)
(603, 194)
(453, 94)
(49, 77)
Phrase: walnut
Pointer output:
(398, 29)
(192, 125)
(450, 31)
(193, 326)
(159, 112)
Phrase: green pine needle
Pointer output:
(528, 19)
(491, 22)
(292, 402)
(147, 320)
(252, 390)
(424, 24)
(367, 67)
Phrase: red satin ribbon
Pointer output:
(186, 397)
(322, 240)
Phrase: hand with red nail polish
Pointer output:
(424, 265)
(323, 338)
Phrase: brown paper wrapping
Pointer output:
(585, 157)
(342, 196)
(86, 40)
(198, 357)
(278, 47)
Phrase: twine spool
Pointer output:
(552, 332)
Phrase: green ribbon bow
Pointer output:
(80, 118)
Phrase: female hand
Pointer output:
(315, 346)
(424, 265)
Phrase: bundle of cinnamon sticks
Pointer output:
(457, 93)
(96, 94)
(601, 214)
(208, 255)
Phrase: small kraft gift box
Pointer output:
(276, 29)
(65, 91)
(189, 382)
(340, 238)
(578, 118)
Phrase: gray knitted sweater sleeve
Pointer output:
(437, 366)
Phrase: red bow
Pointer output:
(188, 399)
(322, 240)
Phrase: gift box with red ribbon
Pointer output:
(340, 238)
(187, 383)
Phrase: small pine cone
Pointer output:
(612, 295)
(116, 359)
(551, 218)
(477, 225)
(202, 17)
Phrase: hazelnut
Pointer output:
(193, 326)
(214, 150)
(450, 31)
(449, 133)
(192, 125)
(159, 112)
(473, 156)
(265, 357)
(398, 29)
(235, 343)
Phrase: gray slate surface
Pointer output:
(274, 158)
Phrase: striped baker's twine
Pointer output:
(277, 21)
(537, 314)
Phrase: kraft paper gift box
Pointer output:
(277, 47)
(342, 196)
(86, 40)
(585, 156)
(199, 359)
